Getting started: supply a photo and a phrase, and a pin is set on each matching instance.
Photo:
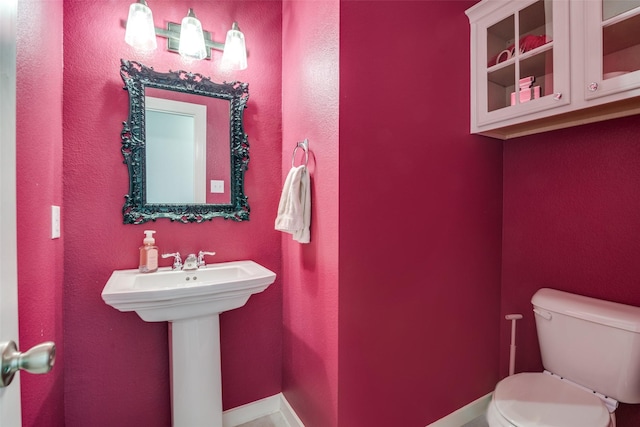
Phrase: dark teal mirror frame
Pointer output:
(136, 78)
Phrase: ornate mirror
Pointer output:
(184, 145)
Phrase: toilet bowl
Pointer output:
(588, 348)
(544, 400)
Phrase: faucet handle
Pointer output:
(201, 255)
(177, 261)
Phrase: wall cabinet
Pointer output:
(538, 65)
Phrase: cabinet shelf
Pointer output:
(615, 33)
(522, 57)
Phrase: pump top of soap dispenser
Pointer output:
(149, 240)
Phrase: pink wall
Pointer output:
(420, 218)
(310, 272)
(39, 182)
(117, 367)
(571, 222)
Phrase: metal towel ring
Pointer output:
(305, 146)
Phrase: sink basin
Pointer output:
(191, 302)
(168, 295)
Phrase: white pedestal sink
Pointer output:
(191, 301)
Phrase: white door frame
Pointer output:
(10, 411)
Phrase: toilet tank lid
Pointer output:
(606, 313)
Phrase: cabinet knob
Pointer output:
(593, 86)
(557, 96)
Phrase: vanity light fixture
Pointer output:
(191, 37)
(188, 38)
(234, 56)
(140, 33)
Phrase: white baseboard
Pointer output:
(261, 408)
(288, 413)
(464, 414)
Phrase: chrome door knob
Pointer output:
(37, 360)
(593, 86)
(557, 96)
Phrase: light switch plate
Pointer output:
(55, 222)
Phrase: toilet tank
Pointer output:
(592, 342)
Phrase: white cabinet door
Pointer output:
(9, 396)
(612, 50)
(510, 82)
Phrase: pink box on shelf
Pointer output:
(527, 93)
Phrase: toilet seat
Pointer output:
(541, 400)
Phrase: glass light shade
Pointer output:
(192, 38)
(234, 56)
(140, 32)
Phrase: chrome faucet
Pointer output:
(177, 261)
(191, 263)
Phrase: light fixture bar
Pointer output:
(234, 50)
(172, 34)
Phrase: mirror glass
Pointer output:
(184, 145)
(175, 155)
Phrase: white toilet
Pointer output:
(591, 354)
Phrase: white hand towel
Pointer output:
(294, 210)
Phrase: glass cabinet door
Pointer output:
(524, 69)
(612, 53)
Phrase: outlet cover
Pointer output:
(217, 186)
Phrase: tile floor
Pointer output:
(272, 420)
(277, 420)
(480, 421)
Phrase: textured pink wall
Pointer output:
(39, 183)
(310, 300)
(117, 367)
(420, 218)
(571, 222)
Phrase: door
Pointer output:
(10, 415)
(40, 358)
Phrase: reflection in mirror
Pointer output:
(175, 151)
(184, 145)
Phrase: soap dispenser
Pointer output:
(148, 253)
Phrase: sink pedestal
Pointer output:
(196, 387)
(191, 301)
